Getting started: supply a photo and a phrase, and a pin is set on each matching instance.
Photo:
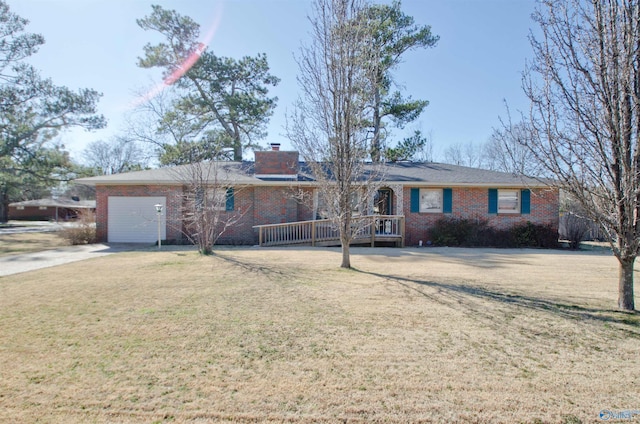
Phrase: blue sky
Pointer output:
(475, 67)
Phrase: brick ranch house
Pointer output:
(262, 192)
(53, 209)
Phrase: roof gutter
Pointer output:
(259, 183)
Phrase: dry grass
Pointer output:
(11, 244)
(279, 335)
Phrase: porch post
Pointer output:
(398, 206)
(373, 230)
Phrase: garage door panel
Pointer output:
(134, 219)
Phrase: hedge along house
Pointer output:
(267, 192)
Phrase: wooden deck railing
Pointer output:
(367, 229)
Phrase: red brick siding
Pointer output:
(252, 206)
(271, 205)
(264, 205)
(173, 195)
(276, 163)
(276, 205)
(33, 213)
(305, 206)
(243, 209)
(473, 203)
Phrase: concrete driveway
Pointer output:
(15, 264)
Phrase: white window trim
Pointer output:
(518, 202)
(440, 209)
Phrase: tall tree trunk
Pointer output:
(625, 285)
(4, 204)
(346, 255)
(345, 239)
(376, 144)
(237, 143)
(237, 151)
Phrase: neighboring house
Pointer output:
(54, 209)
(268, 190)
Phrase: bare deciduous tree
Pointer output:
(175, 137)
(584, 87)
(574, 223)
(144, 121)
(464, 155)
(208, 202)
(426, 153)
(328, 126)
(115, 156)
(505, 151)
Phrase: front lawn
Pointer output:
(284, 335)
(29, 242)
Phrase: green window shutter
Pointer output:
(447, 200)
(525, 201)
(230, 199)
(415, 200)
(493, 200)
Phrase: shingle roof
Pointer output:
(446, 174)
(419, 174)
(60, 203)
(227, 172)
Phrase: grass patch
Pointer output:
(13, 244)
(283, 335)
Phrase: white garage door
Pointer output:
(134, 219)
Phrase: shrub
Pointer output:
(535, 235)
(493, 237)
(458, 232)
(574, 228)
(83, 230)
(477, 233)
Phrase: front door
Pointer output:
(383, 202)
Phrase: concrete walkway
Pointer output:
(15, 264)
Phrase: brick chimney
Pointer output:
(276, 163)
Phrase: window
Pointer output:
(230, 199)
(508, 201)
(321, 206)
(328, 208)
(357, 204)
(217, 198)
(430, 200)
(42, 208)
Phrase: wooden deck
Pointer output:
(369, 230)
